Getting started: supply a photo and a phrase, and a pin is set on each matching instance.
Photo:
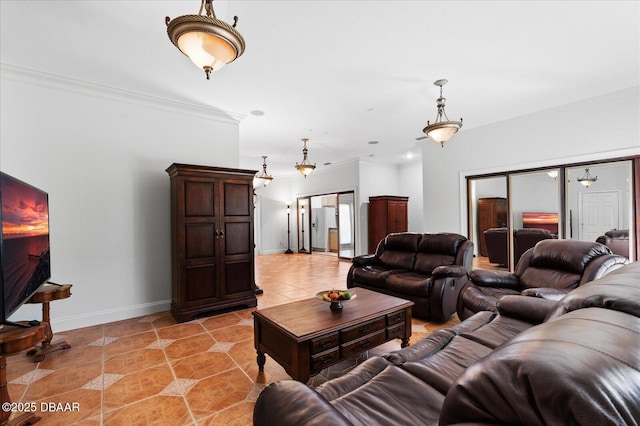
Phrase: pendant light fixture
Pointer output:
(587, 180)
(305, 167)
(442, 128)
(207, 41)
(263, 178)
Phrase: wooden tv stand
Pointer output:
(14, 340)
(48, 293)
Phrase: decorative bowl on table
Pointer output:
(335, 297)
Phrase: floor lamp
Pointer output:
(289, 251)
(302, 249)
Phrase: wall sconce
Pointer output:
(587, 180)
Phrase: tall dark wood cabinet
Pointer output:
(211, 239)
(387, 214)
(492, 213)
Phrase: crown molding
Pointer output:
(55, 81)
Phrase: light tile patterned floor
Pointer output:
(152, 371)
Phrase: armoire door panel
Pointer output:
(237, 199)
(199, 240)
(238, 277)
(199, 198)
(200, 283)
(237, 238)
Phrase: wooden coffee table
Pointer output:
(306, 336)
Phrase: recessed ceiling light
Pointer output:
(257, 112)
(373, 142)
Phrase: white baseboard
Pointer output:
(111, 315)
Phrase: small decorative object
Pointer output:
(442, 129)
(335, 297)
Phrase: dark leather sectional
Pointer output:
(428, 269)
(535, 361)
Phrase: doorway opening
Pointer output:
(326, 224)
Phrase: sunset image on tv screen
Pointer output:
(25, 250)
(25, 212)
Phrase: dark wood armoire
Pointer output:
(387, 214)
(211, 239)
(492, 213)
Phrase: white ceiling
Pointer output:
(342, 73)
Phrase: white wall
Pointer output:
(573, 132)
(101, 154)
(410, 182)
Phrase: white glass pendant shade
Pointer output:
(206, 50)
(443, 131)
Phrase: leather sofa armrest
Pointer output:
(365, 260)
(529, 309)
(455, 271)
(548, 293)
(289, 402)
(492, 278)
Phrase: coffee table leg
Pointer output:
(405, 342)
(261, 360)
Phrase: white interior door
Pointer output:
(599, 212)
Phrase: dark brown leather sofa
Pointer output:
(535, 362)
(523, 239)
(428, 269)
(617, 240)
(552, 268)
(496, 241)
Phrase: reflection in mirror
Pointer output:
(488, 220)
(599, 200)
(324, 226)
(304, 243)
(346, 214)
(535, 209)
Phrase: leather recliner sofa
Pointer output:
(617, 240)
(536, 361)
(428, 269)
(552, 268)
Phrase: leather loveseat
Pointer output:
(535, 362)
(552, 268)
(428, 269)
(617, 240)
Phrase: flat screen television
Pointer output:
(547, 221)
(24, 243)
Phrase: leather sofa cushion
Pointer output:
(435, 250)
(497, 331)
(399, 250)
(442, 368)
(409, 283)
(617, 290)
(533, 277)
(565, 255)
(391, 394)
(352, 380)
(373, 275)
(427, 262)
(578, 369)
(484, 298)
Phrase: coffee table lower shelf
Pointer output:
(306, 337)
